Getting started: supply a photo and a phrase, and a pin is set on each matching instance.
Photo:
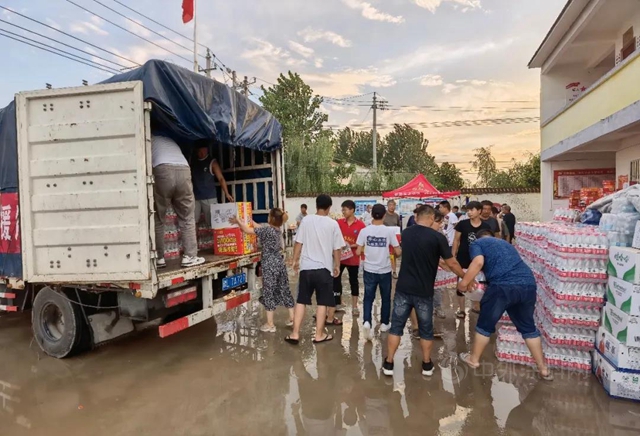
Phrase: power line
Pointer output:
(453, 123)
(216, 59)
(85, 62)
(62, 43)
(130, 32)
(147, 28)
(70, 36)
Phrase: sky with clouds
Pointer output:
(464, 59)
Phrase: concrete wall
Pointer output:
(626, 155)
(526, 207)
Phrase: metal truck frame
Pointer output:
(86, 218)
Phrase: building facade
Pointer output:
(589, 99)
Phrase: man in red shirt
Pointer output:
(350, 227)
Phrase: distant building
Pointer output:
(590, 98)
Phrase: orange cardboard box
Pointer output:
(233, 242)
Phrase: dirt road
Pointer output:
(227, 378)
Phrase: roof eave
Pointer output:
(538, 60)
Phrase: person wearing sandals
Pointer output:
(374, 242)
(275, 278)
(316, 256)
(511, 288)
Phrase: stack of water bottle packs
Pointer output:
(172, 243)
(569, 262)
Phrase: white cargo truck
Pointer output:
(86, 220)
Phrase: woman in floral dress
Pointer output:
(275, 278)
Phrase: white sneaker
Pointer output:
(161, 263)
(192, 261)
(385, 327)
(267, 329)
(368, 334)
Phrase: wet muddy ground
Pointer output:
(228, 378)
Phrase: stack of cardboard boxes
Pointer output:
(228, 239)
(616, 360)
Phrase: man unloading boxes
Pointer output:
(204, 172)
(173, 187)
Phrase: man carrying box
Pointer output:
(316, 256)
(204, 172)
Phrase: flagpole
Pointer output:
(195, 37)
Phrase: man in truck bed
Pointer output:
(173, 187)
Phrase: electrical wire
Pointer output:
(452, 123)
(80, 60)
(62, 43)
(70, 36)
(130, 32)
(147, 28)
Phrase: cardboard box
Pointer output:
(625, 296)
(232, 242)
(620, 355)
(220, 214)
(617, 383)
(636, 236)
(624, 263)
(622, 326)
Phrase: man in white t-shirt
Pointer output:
(374, 241)
(450, 221)
(173, 187)
(316, 255)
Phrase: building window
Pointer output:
(634, 176)
(628, 43)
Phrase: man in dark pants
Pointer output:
(316, 256)
(510, 220)
(423, 248)
(350, 226)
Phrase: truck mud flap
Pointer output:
(219, 306)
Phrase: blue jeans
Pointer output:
(517, 300)
(402, 305)
(371, 282)
(437, 298)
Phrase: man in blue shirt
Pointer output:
(204, 172)
(511, 288)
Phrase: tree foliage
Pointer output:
(521, 174)
(449, 177)
(293, 103)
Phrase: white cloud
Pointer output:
(448, 88)
(53, 24)
(348, 82)
(311, 35)
(302, 50)
(87, 27)
(433, 5)
(472, 82)
(440, 54)
(319, 62)
(371, 13)
(431, 80)
(269, 58)
(137, 29)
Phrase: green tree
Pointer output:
(362, 151)
(485, 165)
(308, 167)
(343, 144)
(449, 177)
(293, 103)
(405, 150)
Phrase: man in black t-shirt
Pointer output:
(487, 217)
(465, 235)
(510, 220)
(422, 248)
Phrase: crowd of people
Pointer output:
(464, 241)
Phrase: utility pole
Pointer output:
(207, 71)
(375, 131)
(245, 85)
(376, 105)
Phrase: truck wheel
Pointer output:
(57, 323)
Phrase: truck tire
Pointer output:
(57, 323)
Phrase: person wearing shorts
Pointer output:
(422, 250)
(316, 256)
(511, 288)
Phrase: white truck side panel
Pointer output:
(84, 192)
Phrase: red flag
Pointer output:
(187, 10)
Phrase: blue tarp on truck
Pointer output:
(187, 106)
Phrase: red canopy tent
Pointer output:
(419, 188)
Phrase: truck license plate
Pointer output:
(229, 283)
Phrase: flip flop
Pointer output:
(292, 341)
(548, 377)
(336, 322)
(465, 358)
(326, 339)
